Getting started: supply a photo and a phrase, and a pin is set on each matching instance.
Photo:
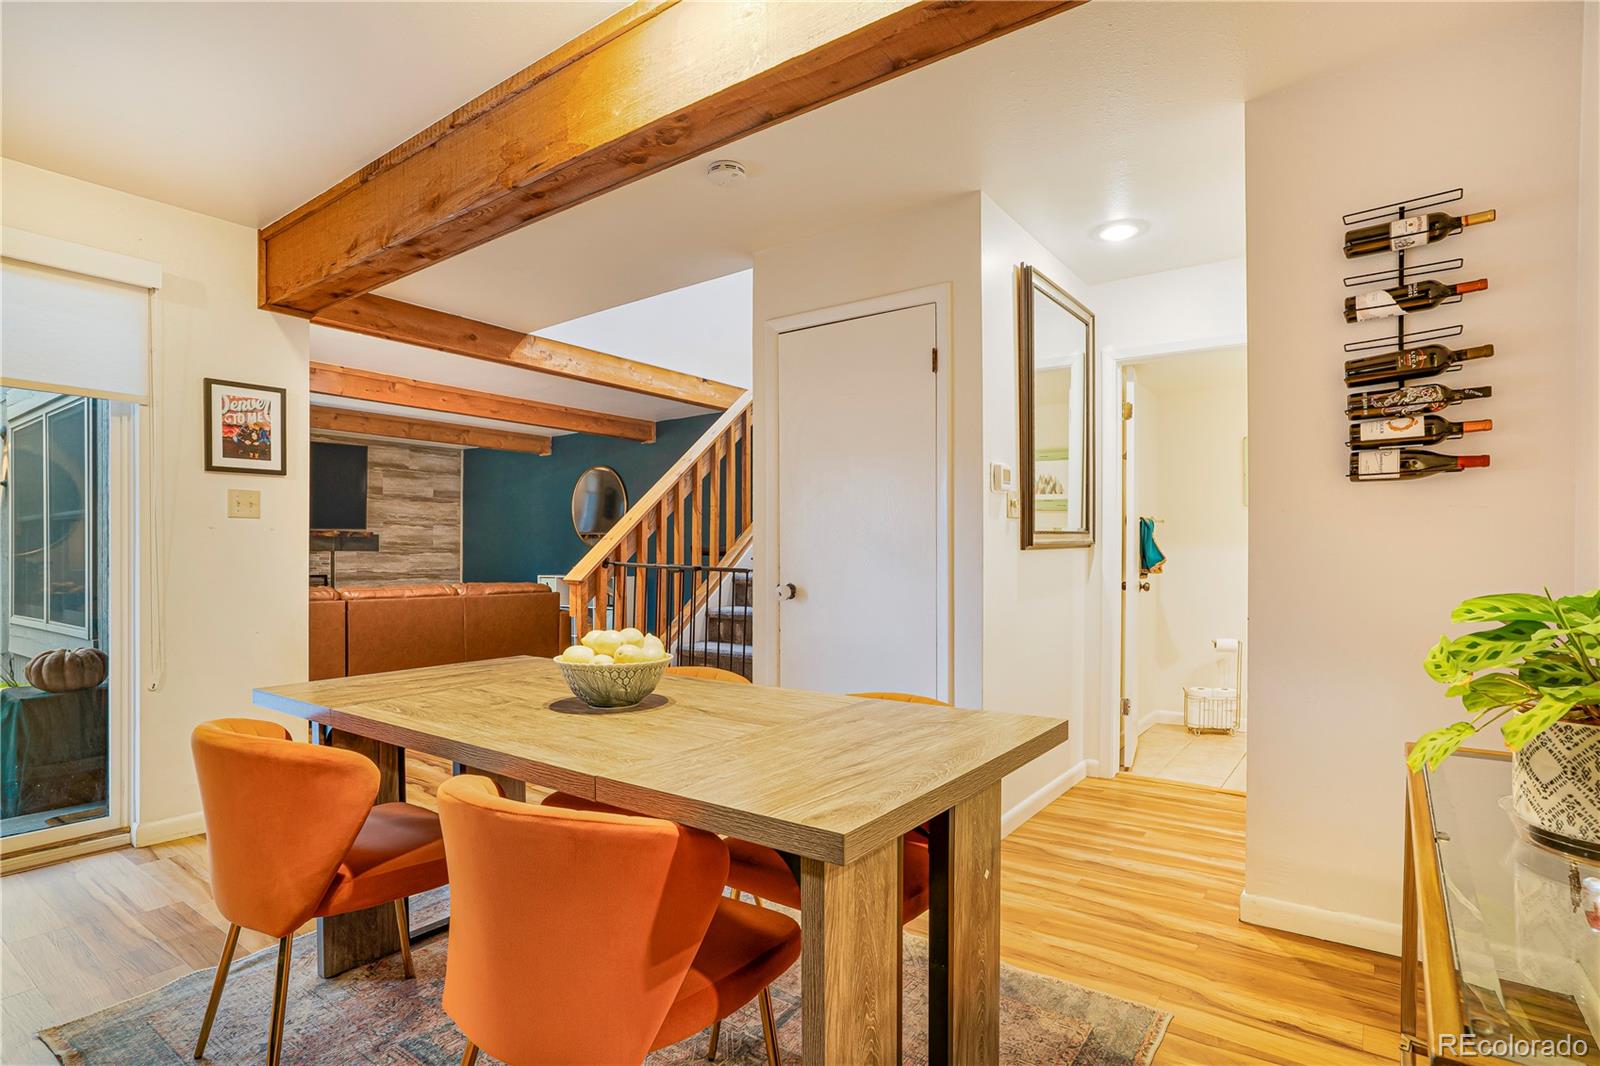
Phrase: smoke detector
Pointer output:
(725, 172)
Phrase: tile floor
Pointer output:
(1175, 754)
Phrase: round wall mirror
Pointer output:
(598, 502)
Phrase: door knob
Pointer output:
(786, 591)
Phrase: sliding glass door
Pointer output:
(66, 499)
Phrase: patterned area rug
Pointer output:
(373, 1015)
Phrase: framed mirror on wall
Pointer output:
(1055, 384)
(599, 501)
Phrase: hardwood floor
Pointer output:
(1131, 886)
(1128, 886)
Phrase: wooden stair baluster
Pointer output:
(697, 516)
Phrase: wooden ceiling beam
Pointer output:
(368, 424)
(379, 316)
(649, 87)
(353, 384)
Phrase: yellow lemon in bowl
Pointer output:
(603, 641)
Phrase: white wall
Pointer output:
(937, 246)
(1189, 422)
(1028, 625)
(1023, 640)
(699, 329)
(1041, 617)
(1350, 583)
(231, 593)
(1189, 309)
(1587, 457)
(1171, 314)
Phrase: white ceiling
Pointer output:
(1110, 110)
(245, 111)
(702, 329)
(370, 353)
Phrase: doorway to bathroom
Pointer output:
(1183, 672)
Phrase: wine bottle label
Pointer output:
(1408, 233)
(1394, 429)
(1376, 304)
(1378, 465)
(1410, 400)
(1416, 357)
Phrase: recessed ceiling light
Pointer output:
(1120, 230)
(725, 172)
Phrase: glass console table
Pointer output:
(1509, 927)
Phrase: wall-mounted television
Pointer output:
(338, 486)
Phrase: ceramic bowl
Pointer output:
(612, 685)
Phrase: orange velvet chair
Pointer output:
(761, 871)
(294, 835)
(708, 673)
(623, 944)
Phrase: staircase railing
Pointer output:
(697, 516)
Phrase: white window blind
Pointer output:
(74, 319)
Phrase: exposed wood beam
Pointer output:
(328, 380)
(367, 424)
(648, 88)
(379, 316)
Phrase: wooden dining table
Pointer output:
(832, 782)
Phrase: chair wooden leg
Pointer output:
(769, 1028)
(470, 1055)
(711, 1044)
(280, 1001)
(404, 925)
(216, 990)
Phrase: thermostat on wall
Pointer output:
(1000, 479)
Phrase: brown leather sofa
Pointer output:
(373, 630)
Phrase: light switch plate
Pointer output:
(1013, 505)
(244, 503)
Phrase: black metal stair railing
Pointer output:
(702, 613)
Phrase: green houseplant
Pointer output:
(1536, 672)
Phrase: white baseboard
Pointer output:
(159, 832)
(1150, 718)
(1042, 797)
(71, 849)
(1357, 930)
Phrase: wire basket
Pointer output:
(1210, 710)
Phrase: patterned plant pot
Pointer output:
(1555, 781)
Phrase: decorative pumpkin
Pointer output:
(67, 669)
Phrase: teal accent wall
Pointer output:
(516, 508)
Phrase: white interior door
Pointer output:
(1128, 716)
(858, 504)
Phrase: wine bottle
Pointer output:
(1410, 400)
(1391, 464)
(1412, 363)
(1403, 233)
(1411, 429)
(1404, 299)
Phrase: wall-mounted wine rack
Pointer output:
(1377, 463)
(1400, 274)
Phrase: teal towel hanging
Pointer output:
(1151, 558)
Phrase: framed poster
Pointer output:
(244, 427)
